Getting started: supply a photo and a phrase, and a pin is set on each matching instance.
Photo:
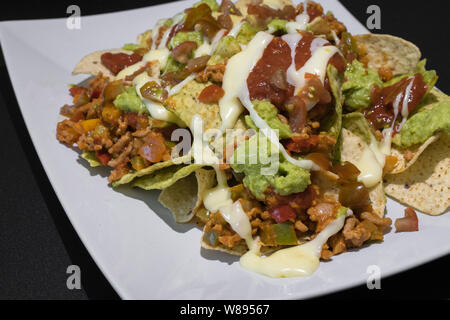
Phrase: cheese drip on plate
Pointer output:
(299, 261)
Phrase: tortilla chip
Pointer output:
(238, 250)
(149, 170)
(166, 177)
(412, 154)
(143, 38)
(352, 149)
(91, 158)
(425, 185)
(91, 64)
(434, 98)
(184, 197)
(383, 50)
(185, 105)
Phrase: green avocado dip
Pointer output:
(358, 85)
(250, 159)
(424, 124)
(129, 101)
(269, 113)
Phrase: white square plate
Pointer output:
(132, 238)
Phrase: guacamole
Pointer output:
(269, 113)
(246, 33)
(173, 65)
(359, 84)
(131, 46)
(227, 47)
(424, 124)
(129, 101)
(180, 37)
(277, 25)
(287, 180)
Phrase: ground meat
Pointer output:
(382, 223)
(323, 213)
(118, 172)
(230, 240)
(335, 25)
(66, 133)
(89, 143)
(354, 234)
(123, 157)
(300, 226)
(212, 73)
(325, 143)
(337, 243)
(118, 147)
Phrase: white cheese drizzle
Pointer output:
(219, 197)
(299, 261)
(300, 23)
(177, 88)
(373, 159)
(235, 30)
(235, 78)
(317, 64)
(156, 109)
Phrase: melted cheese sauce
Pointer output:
(235, 78)
(177, 88)
(219, 197)
(373, 159)
(298, 261)
(300, 23)
(235, 30)
(156, 109)
(236, 90)
(317, 64)
(371, 165)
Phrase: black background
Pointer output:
(37, 241)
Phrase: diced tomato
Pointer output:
(296, 144)
(211, 94)
(115, 62)
(103, 157)
(154, 149)
(77, 116)
(283, 213)
(408, 223)
(301, 200)
(76, 90)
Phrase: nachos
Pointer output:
(293, 129)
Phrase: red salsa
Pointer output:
(381, 114)
(116, 62)
(276, 57)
